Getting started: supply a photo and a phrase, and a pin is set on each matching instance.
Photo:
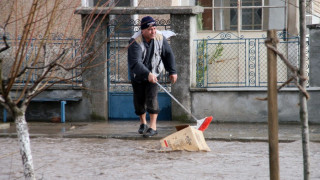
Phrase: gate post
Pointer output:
(314, 73)
(185, 26)
(95, 77)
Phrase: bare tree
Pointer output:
(46, 65)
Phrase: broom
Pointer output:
(202, 124)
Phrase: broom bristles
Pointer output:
(205, 123)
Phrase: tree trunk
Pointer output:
(25, 148)
(303, 84)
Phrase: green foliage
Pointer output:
(216, 54)
(199, 22)
(201, 67)
(202, 56)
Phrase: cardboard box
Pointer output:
(186, 138)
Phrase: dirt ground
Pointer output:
(66, 158)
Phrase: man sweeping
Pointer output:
(148, 53)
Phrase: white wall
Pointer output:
(183, 2)
(86, 3)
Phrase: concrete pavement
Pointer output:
(128, 130)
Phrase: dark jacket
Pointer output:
(140, 68)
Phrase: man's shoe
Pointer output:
(143, 128)
(150, 132)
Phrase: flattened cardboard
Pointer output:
(186, 138)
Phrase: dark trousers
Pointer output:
(145, 97)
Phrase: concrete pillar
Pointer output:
(185, 25)
(95, 77)
(314, 72)
(314, 55)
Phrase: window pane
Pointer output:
(233, 19)
(225, 19)
(251, 19)
(275, 3)
(121, 3)
(258, 3)
(204, 3)
(251, 2)
(233, 3)
(225, 3)
(207, 19)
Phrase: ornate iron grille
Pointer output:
(227, 60)
(55, 44)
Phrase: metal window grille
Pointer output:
(223, 15)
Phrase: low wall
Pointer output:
(241, 105)
(46, 106)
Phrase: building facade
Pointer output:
(223, 70)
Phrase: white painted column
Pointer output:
(135, 4)
(87, 3)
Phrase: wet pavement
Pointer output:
(128, 130)
(96, 158)
(114, 150)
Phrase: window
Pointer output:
(252, 17)
(223, 15)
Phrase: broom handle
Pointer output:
(188, 111)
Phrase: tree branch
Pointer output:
(294, 70)
(4, 35)
(284, 59)
(5, 43)
(42, 67)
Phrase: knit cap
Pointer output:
(147, 22)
